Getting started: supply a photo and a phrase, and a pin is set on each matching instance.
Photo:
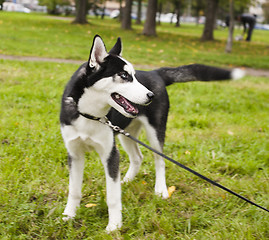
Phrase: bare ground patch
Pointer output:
(249, 71)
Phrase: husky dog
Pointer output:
(108, 86)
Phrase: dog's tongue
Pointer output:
(130, 108)
(122, 101)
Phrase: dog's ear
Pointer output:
(98, 52)
(117, 49)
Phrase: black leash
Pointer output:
(196, 173)
(126, 134)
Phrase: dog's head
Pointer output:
(114, 78)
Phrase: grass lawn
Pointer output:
(35, 35)
(219, 129)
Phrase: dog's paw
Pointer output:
(162, 192)
(130, 175)
(66, 218)
(126, 180)
(112, 227)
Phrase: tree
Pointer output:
(177, 4)
(121, 10)
(265, 8)
(1, 4)
(150, 23)
(159, 10)
(211, 11)
(231, 27)
(139, 9)
(81, 12)
(126, 22)
(103, 9)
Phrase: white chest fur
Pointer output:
(87, 135)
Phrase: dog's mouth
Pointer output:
(125, 104)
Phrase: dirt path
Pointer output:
(249, 71)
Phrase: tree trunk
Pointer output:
(121, 10)
(177, 10)
(52, 9)
(103, 10)
(231, 28)
(139, 9)
(211, 11)
(160, 10)
(81, 13)
(150, 24)
(126, 18)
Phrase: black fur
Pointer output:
(116, 50)
(193, 72)
(156, 81)
(113, 163)
(69, 161)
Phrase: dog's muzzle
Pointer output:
(127, 105)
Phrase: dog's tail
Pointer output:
(198, 72)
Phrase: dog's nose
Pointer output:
(150, 95)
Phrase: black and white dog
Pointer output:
(108, 85)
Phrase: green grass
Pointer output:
(224, 127)
(35, 35)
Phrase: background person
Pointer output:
(248, 21)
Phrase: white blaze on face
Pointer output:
(117, 92)
(133, 90)
(128, 92)
(129, 69)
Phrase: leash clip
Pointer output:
(117, 129)
(104, 120)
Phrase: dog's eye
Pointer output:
(124, 75)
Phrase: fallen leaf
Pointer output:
(90, 205)
(171, 190)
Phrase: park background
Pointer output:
(218, 129)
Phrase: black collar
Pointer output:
(89, 116)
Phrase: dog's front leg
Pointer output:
(113, 189)
(76, 167)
